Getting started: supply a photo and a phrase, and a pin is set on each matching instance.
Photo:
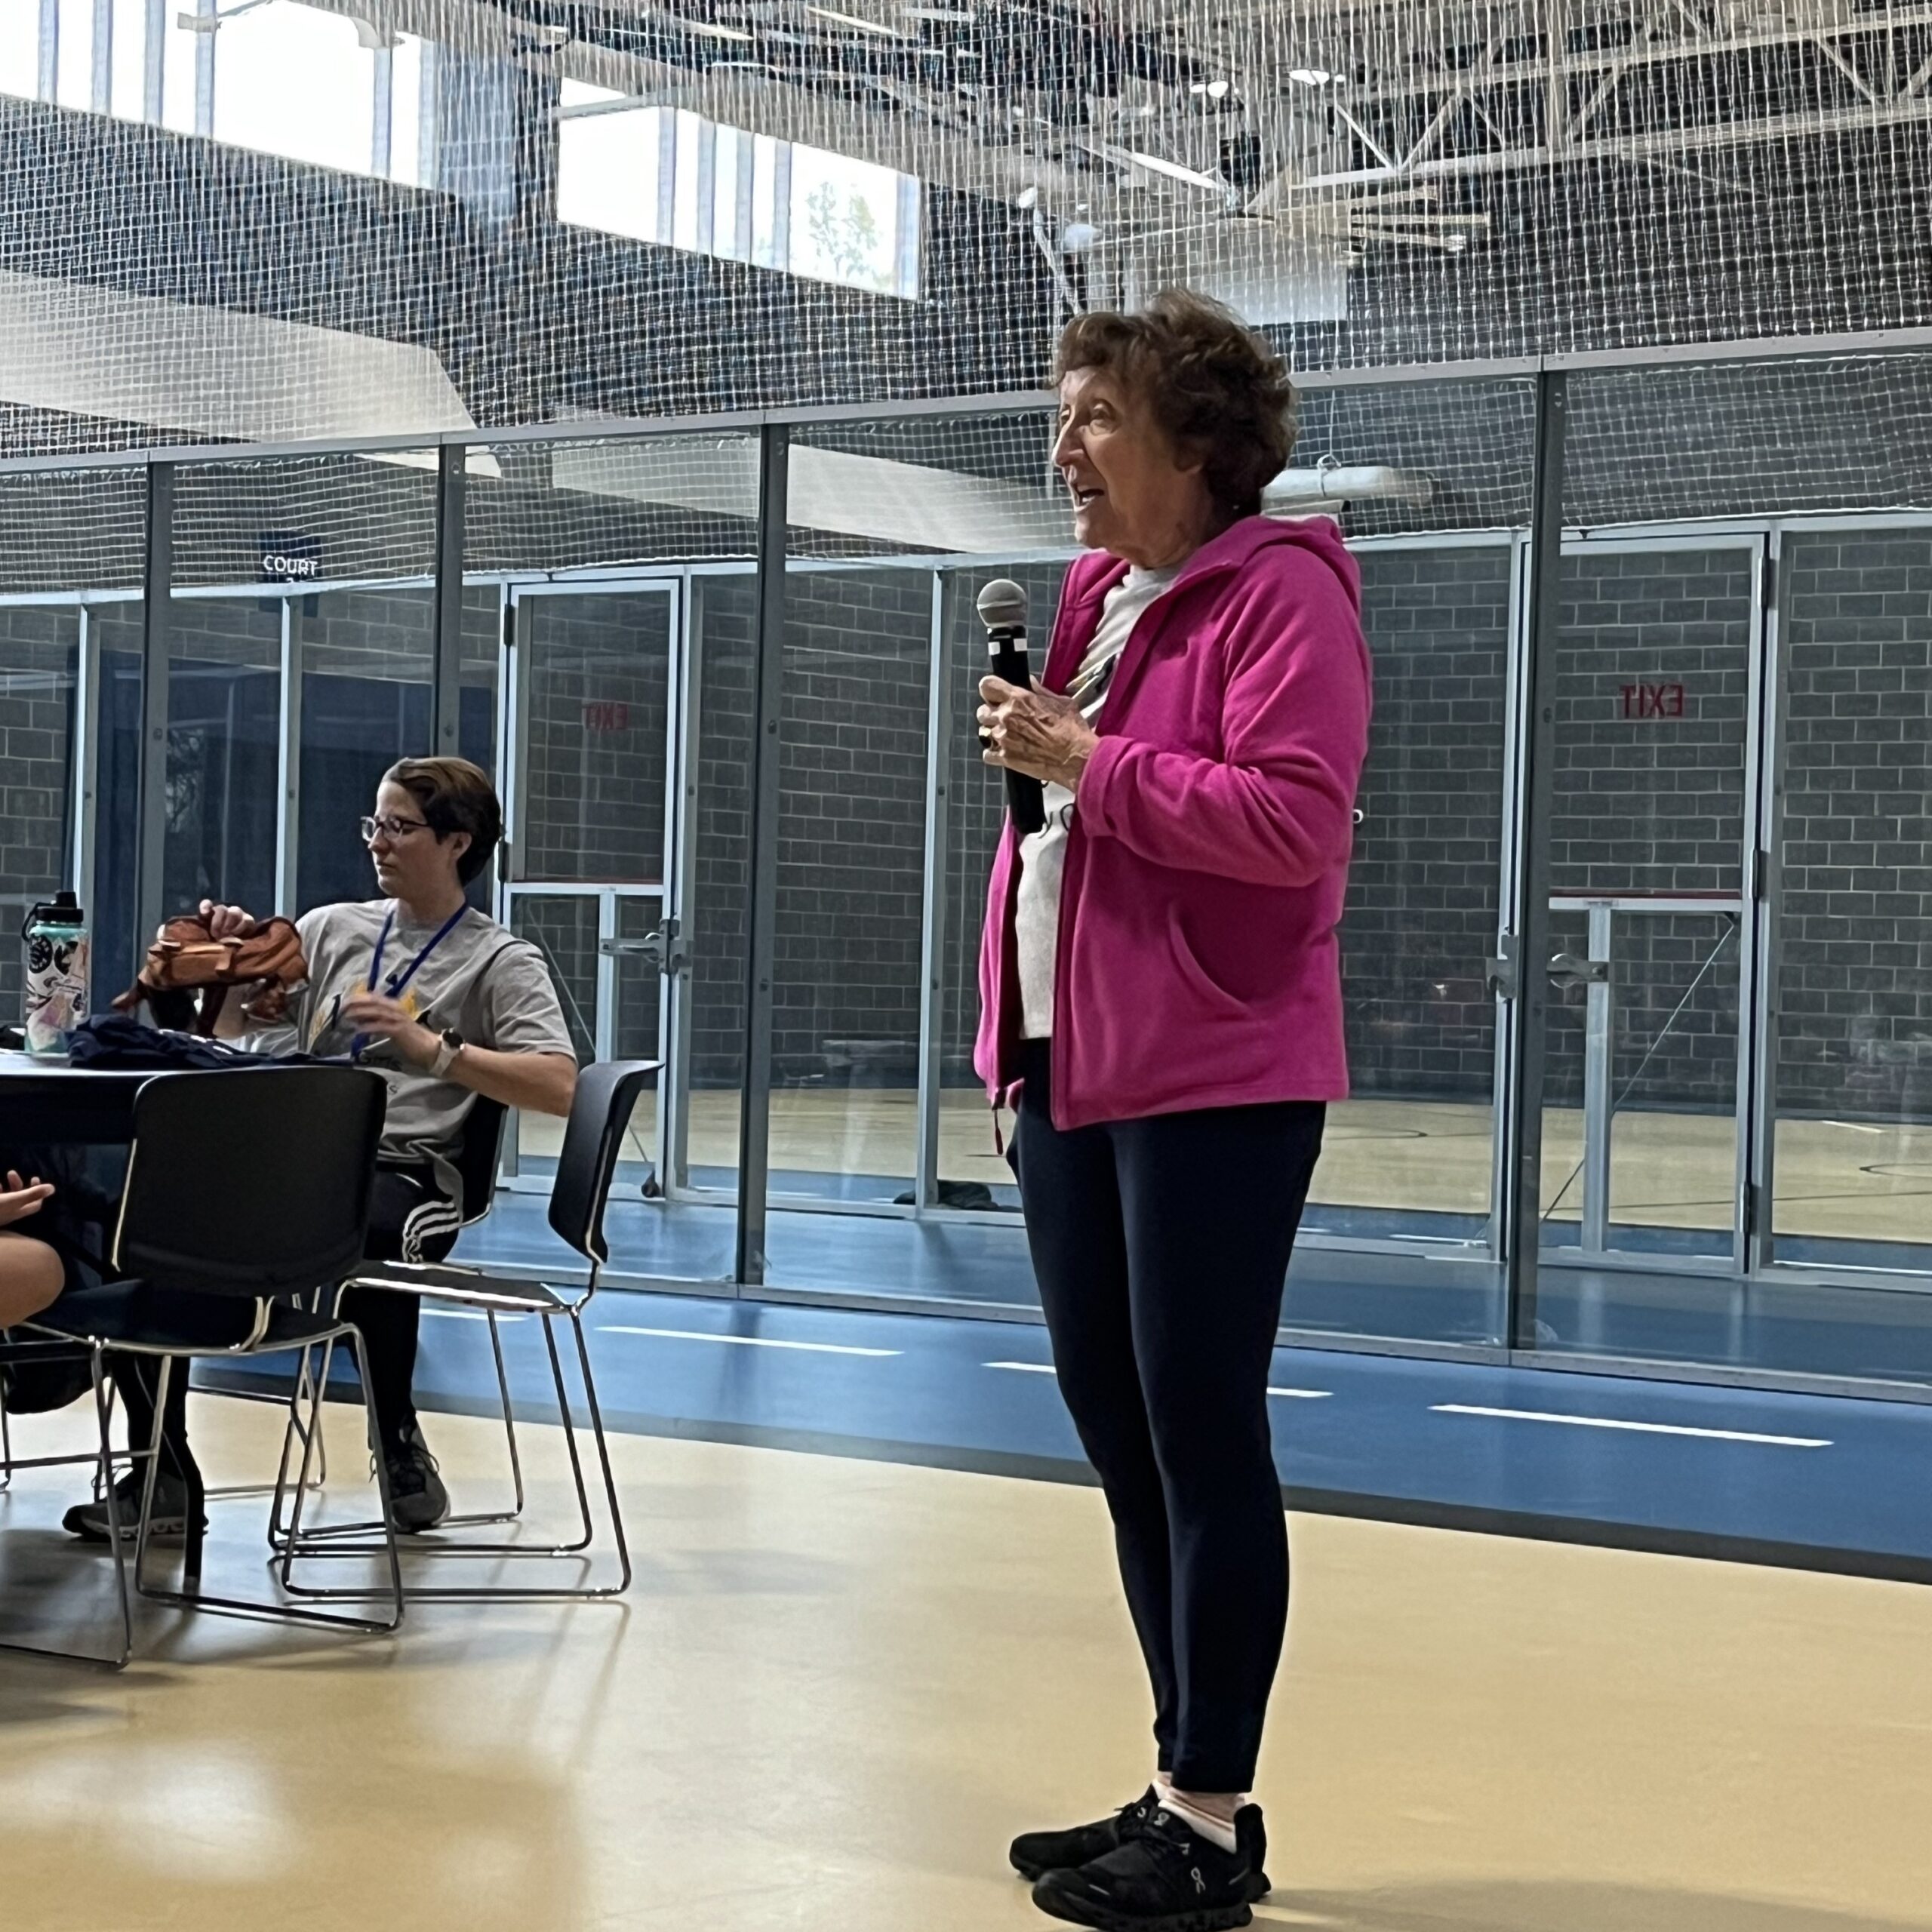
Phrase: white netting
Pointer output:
(343, 218)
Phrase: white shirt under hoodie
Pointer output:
(1043, 853)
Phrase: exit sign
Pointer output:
(606, 714)
(1649, 703)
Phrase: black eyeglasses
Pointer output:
(391, 828)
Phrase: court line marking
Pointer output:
(1640, 1428)
(750, 1341)
(468, 1314)
(1047, 1368)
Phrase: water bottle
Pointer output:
(53, 974)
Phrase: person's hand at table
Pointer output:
(386, 1019)
(1037, 732)
(19, 1198)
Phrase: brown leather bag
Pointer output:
(187, 959)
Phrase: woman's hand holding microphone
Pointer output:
(1037, 732)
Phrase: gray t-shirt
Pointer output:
(492, 987)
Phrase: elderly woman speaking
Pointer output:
(1162, 1003)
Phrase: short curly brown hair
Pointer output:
(1216, 388)
(454, 795)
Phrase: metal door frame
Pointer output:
(1756, 538)
(514, 670)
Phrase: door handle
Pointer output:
(1567, 969)
(663, 945)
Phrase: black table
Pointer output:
(46, 1103)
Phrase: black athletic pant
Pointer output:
(408, 1220)
(1161, 1248)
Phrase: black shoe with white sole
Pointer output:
(168, 1523)
(1164, 1877)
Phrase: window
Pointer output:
(293, 80)
(74, 64)
(845, 222)
(734, 194)
(128, 83)
(283, 77)
(19, 50)
(606, 164)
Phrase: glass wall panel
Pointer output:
(224, 719)
(342, 549)
(40, 732)
(72, 549)
(845, 1044)
(626, 778)
(1853, 1173)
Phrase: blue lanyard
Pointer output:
(399, 979)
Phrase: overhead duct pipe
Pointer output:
(1336, 483)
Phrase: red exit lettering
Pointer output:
(1652, 701)
(606, 714)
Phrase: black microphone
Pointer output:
(1002, 606)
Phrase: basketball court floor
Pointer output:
(1567, 1654)
(839, 1684)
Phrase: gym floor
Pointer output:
(841, 1682)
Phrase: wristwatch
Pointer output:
(451, 1044)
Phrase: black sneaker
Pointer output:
(169, 1523)
(1165, 1878)
(1035, 1854)
(418, 1501)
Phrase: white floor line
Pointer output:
(1047, 1368)
(469, 1314)
(1640, 1428)
(749, 1341)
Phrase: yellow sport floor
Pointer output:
(838, 1687)
(1849, 1179)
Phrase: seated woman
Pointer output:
(446, 1004)
(30, 1271)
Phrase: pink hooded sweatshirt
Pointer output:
(1205, 869)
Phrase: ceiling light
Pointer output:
(1213, 90)
(716, 32)
(856, 20)
(1311, 77)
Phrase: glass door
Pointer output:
(1646, 1097)
(591, 807)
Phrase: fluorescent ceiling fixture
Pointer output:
(1214, 89)
(856, 20)
(1311, 77)
(1156, 164)
(716, 32)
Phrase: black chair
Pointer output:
(246, 1191)
(600, 1114)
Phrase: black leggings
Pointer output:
(408, 1221)
(1161, 1248)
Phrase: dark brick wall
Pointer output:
(1855, 1018)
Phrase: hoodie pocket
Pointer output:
(1211, 993)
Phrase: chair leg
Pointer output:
(191, 1597)
(603, 1453)
(103, 1460)
(6, 1441)
(334, 1542)
(510, 1414)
